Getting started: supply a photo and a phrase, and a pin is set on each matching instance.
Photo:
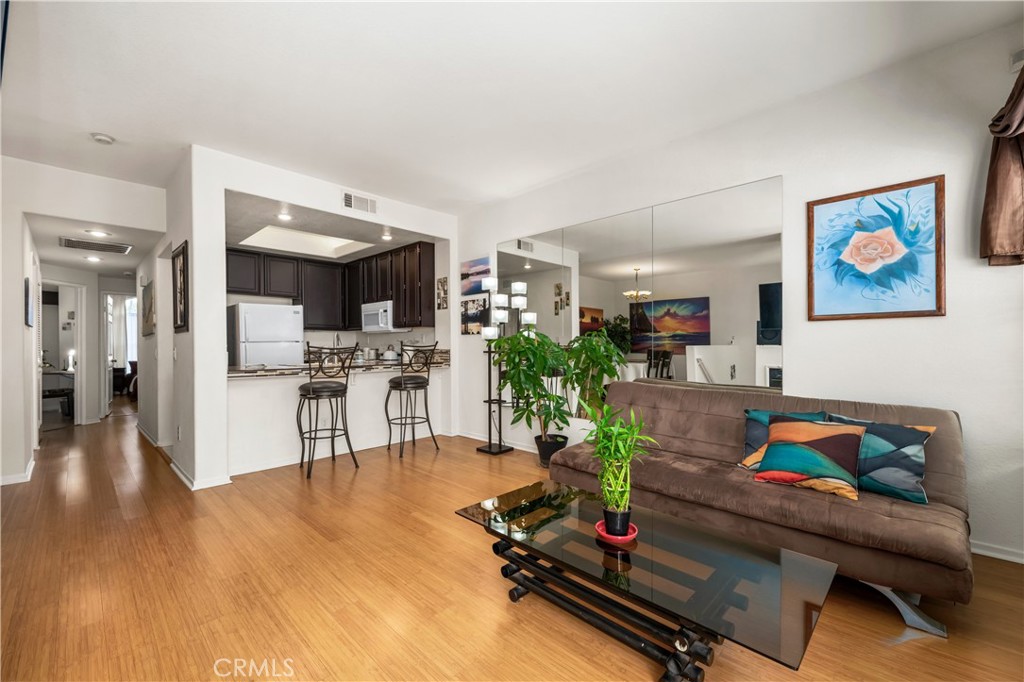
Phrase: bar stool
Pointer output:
(415, 377)
(328, 381)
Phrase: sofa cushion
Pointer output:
(816, 455)
(755, 439)
(891, 460)
(935, 532)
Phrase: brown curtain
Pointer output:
(1002, 219)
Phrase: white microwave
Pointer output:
(378, 318)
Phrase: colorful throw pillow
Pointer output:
(818, 455)
(891, 460)
(756, 439)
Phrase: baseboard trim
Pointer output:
(998, 551)
(152, 441)
(20, 478)
(202, 483)
(531, 447)
(185, 478)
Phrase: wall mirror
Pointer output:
(691, 289)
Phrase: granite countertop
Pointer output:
(442, 358)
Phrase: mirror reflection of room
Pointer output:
(690, 290)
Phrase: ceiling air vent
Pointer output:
(524, 245)
(359, 203)
(106, 247)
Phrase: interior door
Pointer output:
(108, 331)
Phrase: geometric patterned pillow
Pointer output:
(818, 455)
(891, 459)
(756, 437)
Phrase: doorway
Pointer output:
(120, 331)
(61, 364)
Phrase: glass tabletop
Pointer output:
(765, 598)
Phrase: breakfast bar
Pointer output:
(262, 432)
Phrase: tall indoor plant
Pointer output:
(592, 358)
(616, 442)
(618, 331)
(533, 366)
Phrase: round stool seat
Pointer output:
(408, 381)
(323, 388)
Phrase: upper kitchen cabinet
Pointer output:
(382, 272)
(282, 276)
(323, 295)
(353, 296)
(414, 285)
(244, 272)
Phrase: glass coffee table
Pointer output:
(672, 593)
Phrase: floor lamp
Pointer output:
(498, 307)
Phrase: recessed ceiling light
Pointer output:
(93, 259)
(97, 233)
(284, 216)
(386, 234)
(102, 138)
(527, 266)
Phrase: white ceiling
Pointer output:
(46, 230)
(443, 105)
(739, 225)
(246, 214)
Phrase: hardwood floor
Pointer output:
(112, 569)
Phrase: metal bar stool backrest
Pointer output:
(329, 362)
(417, 359)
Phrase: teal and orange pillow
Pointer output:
(891, 459)
(756, 439)
(818, 455)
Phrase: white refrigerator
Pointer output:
(265, 334)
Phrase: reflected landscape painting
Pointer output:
(672, 324)
(591, 319)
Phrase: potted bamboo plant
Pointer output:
(534, 365)
(616, 442)
(592, 359)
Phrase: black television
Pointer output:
(769, 327)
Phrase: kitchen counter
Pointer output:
(262, 433)
(442, 358)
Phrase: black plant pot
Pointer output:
(616, 522)
(546, 448)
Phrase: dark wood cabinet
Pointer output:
(282, 276)
(368, 279)
(323, 295)
(414, 302)
(353, 296)
(398, 285)
(244, 272)
(382, 273)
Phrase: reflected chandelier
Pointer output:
(636, 294)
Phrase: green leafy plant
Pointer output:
(531, 359)
(616, 442)
(592, 358)
(618, 331)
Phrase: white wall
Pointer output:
(36, 188)
(156, 367)
(117, 285)
(604, 294)
(200, 455)
(916, 119)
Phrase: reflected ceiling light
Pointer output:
(102, 138)
(636, 294)
(386, 236)
(284, 216)
(93, 259)
(519, 288)
(528, 265)
(97, 233)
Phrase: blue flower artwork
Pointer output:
(877, 253)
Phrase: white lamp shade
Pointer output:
(529, 318)
(499, 315)
(518, 288)
(489, 283)
(530, 334)
(489, 333)
(500, 300)
(519, 302)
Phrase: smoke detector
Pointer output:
(102, 138)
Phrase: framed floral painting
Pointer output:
(878, 253)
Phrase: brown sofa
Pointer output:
(896, 546)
